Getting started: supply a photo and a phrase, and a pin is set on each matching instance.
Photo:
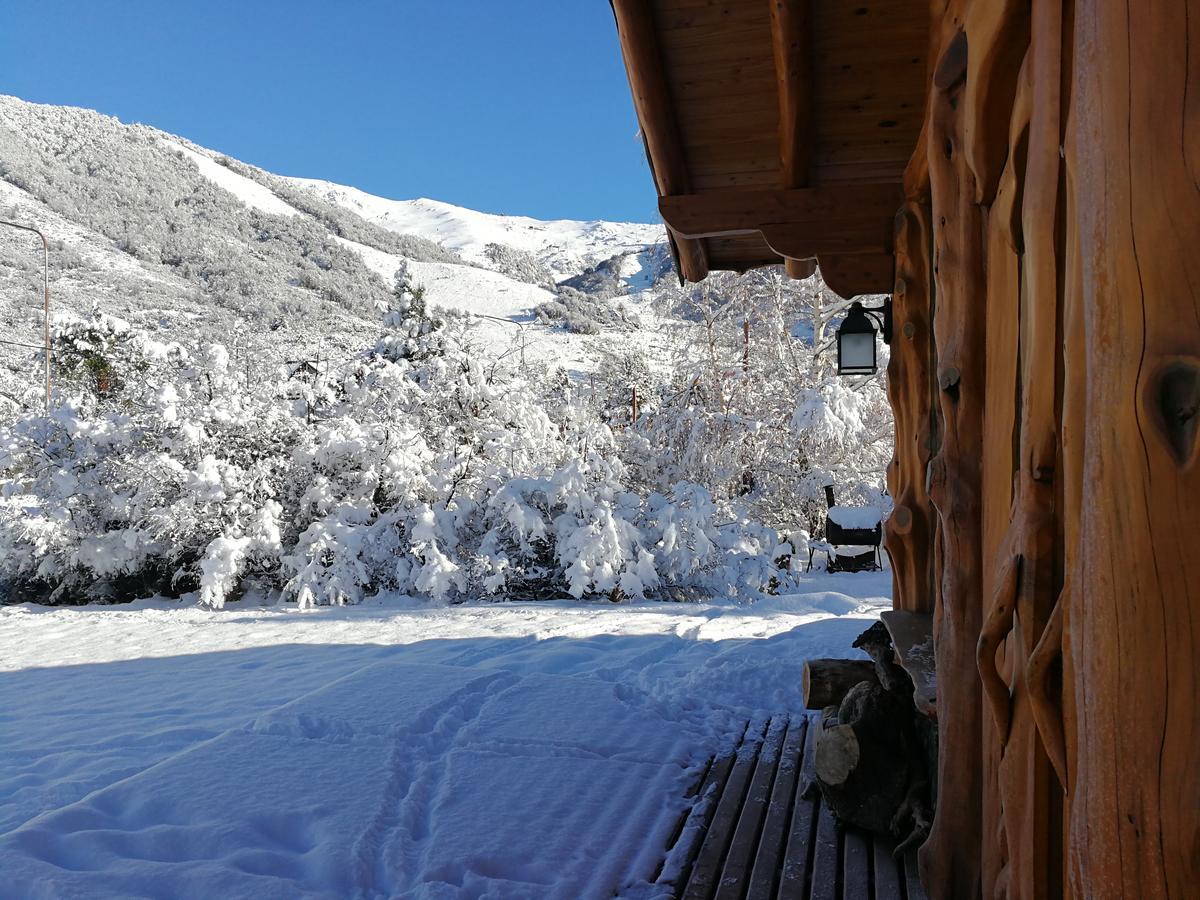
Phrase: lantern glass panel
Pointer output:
(856, 353)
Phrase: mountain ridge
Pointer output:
(176, 236)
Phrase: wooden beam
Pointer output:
(794, 83)
(839, 208)
(849, 275)
(808, 239)
(800, 268)
(655, 111)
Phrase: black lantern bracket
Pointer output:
(881, 314)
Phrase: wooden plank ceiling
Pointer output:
(779, 130)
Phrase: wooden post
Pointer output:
(909, 529)
(950, 858)
(1133, 627)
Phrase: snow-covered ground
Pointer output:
(383, 750)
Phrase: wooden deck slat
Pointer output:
(826, 865)
(888, 871)
(707, 870)
(856, 865)
(696, 825)
(912, 877)
(765, 876)
(739, 859)
(754, 834)
(797, 858)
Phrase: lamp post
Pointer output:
(856, 338)
(45, 297)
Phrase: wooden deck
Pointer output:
(753, 834)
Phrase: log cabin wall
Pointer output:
(1062, 151)
(1043, 251)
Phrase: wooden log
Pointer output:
(862, 757)
(825, 682)
(838, 753)
(652, 100)
(1028, 563)
(950, 858)
(909, 530)
(999, 454)
(793, 80)
(794, 84)
(800, 268)
(997, 33)
(1132, 628)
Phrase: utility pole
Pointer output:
(46, 297)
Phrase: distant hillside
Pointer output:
(160, 231)
(564, 246)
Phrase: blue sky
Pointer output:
(518, 106)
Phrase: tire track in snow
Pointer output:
(402, 820)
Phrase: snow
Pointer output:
(478, 291)
(856, 516)
(386, 749)
(491, 296)
(245, 189)
(565, 245)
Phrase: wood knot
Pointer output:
(910, 330)
(952, 67)
(901, 519)
(948, 381)
(900, 286)
(1174, 402)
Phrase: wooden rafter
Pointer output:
(655, 110)
(794, 86)
(799, 224)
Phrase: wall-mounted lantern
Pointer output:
(856, 338)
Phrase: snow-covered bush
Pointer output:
(751, 407)
(584, 313)
(420, 469)
(519, 264)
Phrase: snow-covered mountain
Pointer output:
(566, 247)
(158, 230)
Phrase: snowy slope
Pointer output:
(503, 750)
(565, 246)
(249, 192)
(504, 307)
(166, 280)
